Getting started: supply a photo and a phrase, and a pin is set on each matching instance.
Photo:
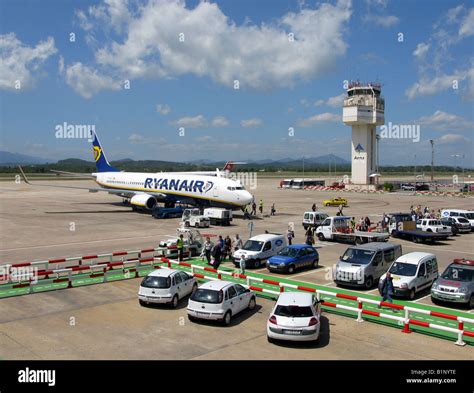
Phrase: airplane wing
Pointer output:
(117, 191)
(71, 173)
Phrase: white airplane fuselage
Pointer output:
(199, 190)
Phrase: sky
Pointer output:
(233, 80)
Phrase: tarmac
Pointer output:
(106, 322)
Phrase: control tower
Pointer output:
(364, 109)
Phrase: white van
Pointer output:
(468, 214)
(313, 219)
(259, 248)
(411, 273)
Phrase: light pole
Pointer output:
(415, 169)
(303, 172)
(432, 159)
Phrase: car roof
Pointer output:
(376, 246)
(299, 246)
(216, 285)
(266, 236)
(295, 298)
(414, 257)
(163, 272)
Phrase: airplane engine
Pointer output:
(143, 200)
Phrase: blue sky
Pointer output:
(421, 53)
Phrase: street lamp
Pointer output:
(432, 159)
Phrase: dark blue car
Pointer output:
(294, 257)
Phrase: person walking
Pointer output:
(387, 288)
(254, 209)
(216, 255)
(227, 248)
(290, 234)
(309, 237)
(314, 207)
(180, 247)
(242, 264)
(260, 206)
(207, 249)
(273, 210)
(238, 244)
(353, 224)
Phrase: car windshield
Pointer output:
(463, 220)
(156, 282)
(289, 252)
(355, 255)
(294, 311)
(403, 269)
(253, 245)
(207, 296)
(457, 273)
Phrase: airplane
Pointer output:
(145, 190)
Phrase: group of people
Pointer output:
(216, 253)
(251, 209)
(417, 212)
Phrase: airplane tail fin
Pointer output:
(101, 162)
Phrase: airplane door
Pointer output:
(215, 191)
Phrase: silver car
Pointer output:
(456, 284)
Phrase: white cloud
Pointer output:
(334, 102)
(18, 61)
(450, 139)
(198, 121)
(443, 121)
(251, 123)
(421, 50)
(259, 56)
(87, 81)
(163, 109)
(382, 20)
(320, 118)
(138, 139)
(220, 121)
(467, 25)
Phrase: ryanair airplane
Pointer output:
(202, 189)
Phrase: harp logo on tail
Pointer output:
(97, 153)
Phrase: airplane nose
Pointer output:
(246, 197)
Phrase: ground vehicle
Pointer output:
(259, 248)
(335, 202)
(167, 212)
(301, 183)
(456, 284)
(194, 218)
(432, 225)
(422, 187)
(462, 224)
(363, 265)
(166, 286)
(313, 219)
(294, 257)
(192, 242)
(407, 187)
(338, 228)
(220, 301)
(412, 273)
(468, 214)
(218, 216)
(401, 225)
(295, 317)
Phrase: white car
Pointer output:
(295, 317)
(166, 286)
(432, 225)
(220, 301)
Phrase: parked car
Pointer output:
(456, 284)
(259, 248)
(166, 286)
(294, 257)
(364, 265)
(411, 273)
(432, 225)
(407, 187)
(467, 214)
(313, 219)
(295, 317)
(461, 223)
(220, 301)
(335, 202)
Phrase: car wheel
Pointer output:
(252, 303)
(196, 225)
(321, 236)
(270, 340)
(411, 295)
(186, 224)
(291, 269)
(142, 303)
(315, 264)
(174, 301)
(191, 318)
(227, 318)
(369, 282)
(257, 263)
